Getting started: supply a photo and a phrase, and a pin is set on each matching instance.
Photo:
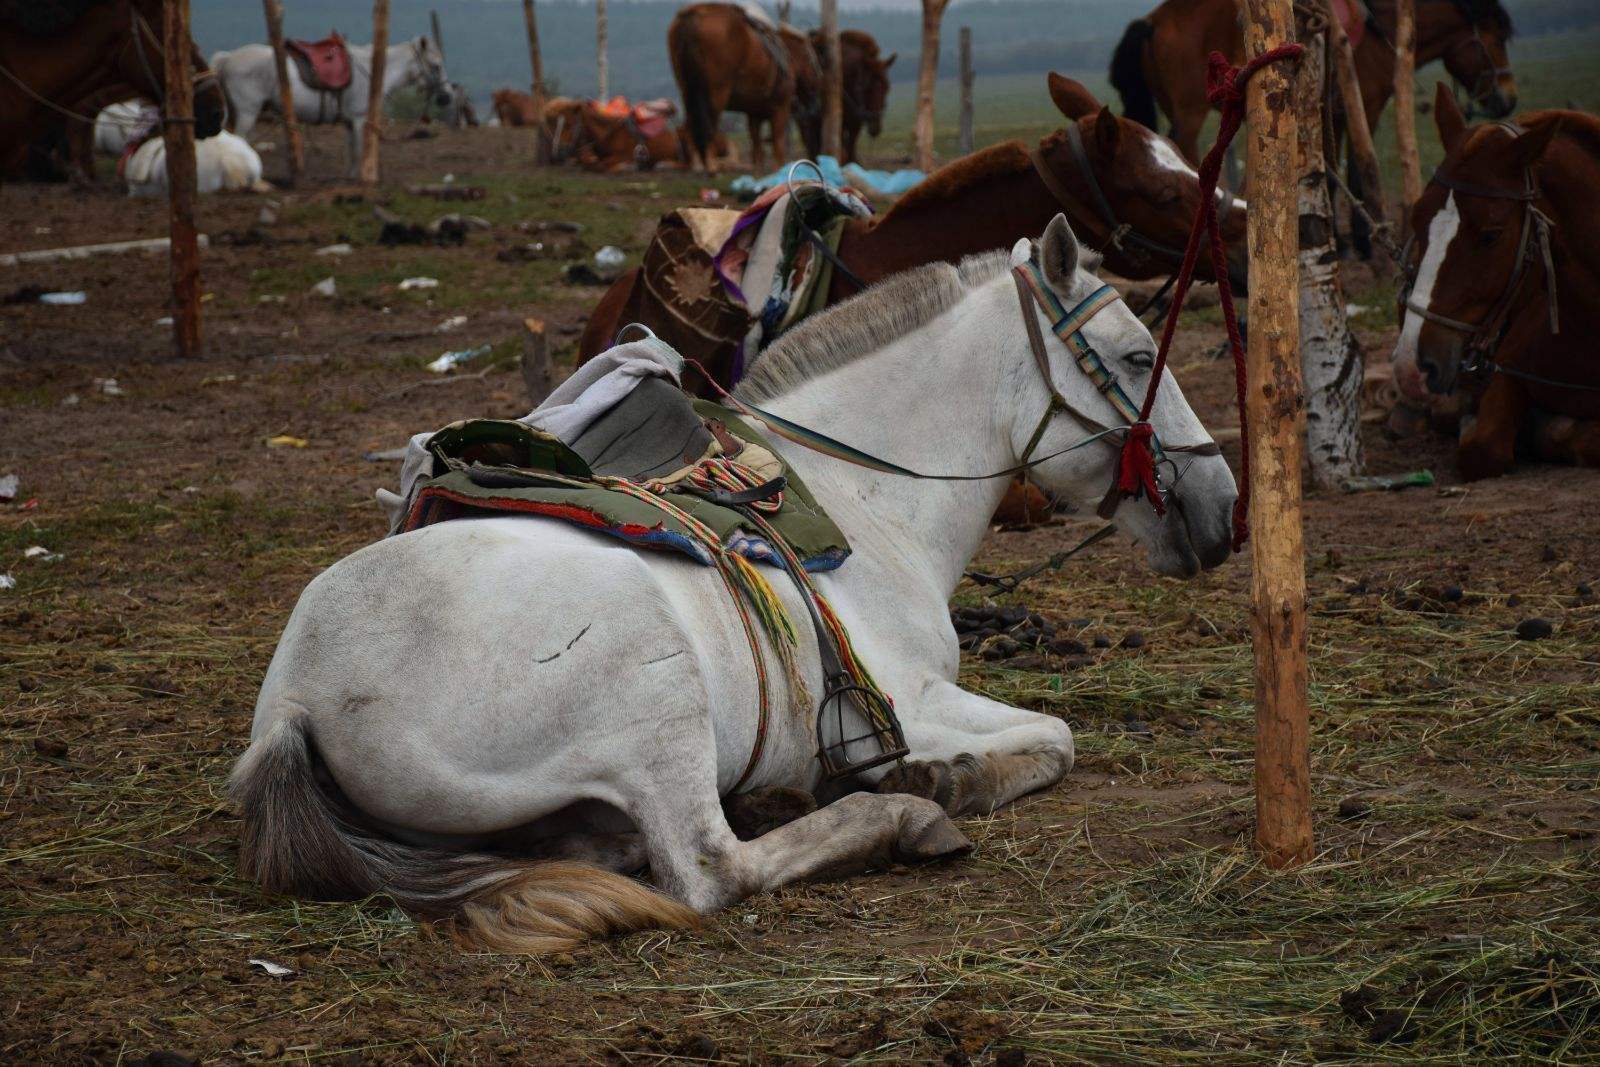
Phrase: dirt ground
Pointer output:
(1451, 915)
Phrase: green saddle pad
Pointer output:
(493, 466)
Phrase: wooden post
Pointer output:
(1405, 107)
(438, 35)
(372, 130)
(179, 137)
(296, 146)
(541, 144)
(1355, 115)
(600, 34)
(1330, 357)
(964, 142)
(1274, 405)
(535, 365)
(832, 83)
(927, 77)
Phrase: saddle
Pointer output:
(649, 117)
(324, 65)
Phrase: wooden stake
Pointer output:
(280, 61)
(541, 144)
(832, 83)
(1405, 108)
(438, 35)
(179, 137)
(1274, 408)
(372, 129)
(600, 34)
(1330, 357)
(536, 372)
(964, 137)
(1355, 113)
(927, 77)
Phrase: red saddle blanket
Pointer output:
(323, 64)
(1352, 15)
(650, 116)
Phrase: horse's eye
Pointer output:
(1489, 237)
(1141, 360)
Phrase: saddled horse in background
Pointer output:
(1161, 59)
(1124, 188)
(866, 92)
(68, 51)
(723, 60)
(416, 736)
(250, 78)
(1506, 239)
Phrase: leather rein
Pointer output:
(1533, 248)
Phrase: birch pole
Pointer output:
(964, 135)
(280, 60)
(542, 148)
(1358, 131)
(600, 33)
(1274, 406)
(1405, 107)
(178, 133)
(1330, 357)
(927, 77)
(372, 127)
(832, 83)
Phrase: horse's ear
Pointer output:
(1070, 97)
(1529, 147)
(1107, 130)
(1448, 118)
(887, 63)
(1058, 255)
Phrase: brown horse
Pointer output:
(515, 108)
(55, 55)
(1129, 193)
(1504, 299)
(866, 92)
(1162, 57)
(724, 61)
(605, 142)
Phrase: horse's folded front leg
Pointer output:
(1488, 441)
(977, 785)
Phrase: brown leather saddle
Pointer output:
(325, 64)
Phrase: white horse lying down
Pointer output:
(117, 123)
(224, 163)
(250, 80)
(498, 719)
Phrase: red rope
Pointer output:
(1136, 473)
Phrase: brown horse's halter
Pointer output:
(139, 30)
(1533, 247)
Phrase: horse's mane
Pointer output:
(861, 39)
(45, 18)
(1490, 11)
(1008, 157)
(843, 333)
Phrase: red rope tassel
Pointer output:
(1136, 471)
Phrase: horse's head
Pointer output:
(426, 67)
(1150, 187)
(866, 78)
(1196, 531)
(1471, 230)
(141, 63)
(1476, 33)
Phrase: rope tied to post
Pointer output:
(1136, 475)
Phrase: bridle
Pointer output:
(1119, 235)
(1490, 74)
(1533, 248)
(139, 31)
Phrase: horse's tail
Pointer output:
(1127, 73)
(688, 71)
(298, 839)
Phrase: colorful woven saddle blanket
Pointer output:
(649, 117)
(325, 64)
(654, 445)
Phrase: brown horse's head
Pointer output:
(866, 78)
(1469, 232)
(1475, 35)
(1150, 187)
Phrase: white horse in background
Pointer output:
(250, 81)
(223, 164)
(499, 720)
(118, 123)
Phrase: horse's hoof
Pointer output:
(929, 779)
(761, 811)
(929, 835)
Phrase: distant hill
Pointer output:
(486, 46)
